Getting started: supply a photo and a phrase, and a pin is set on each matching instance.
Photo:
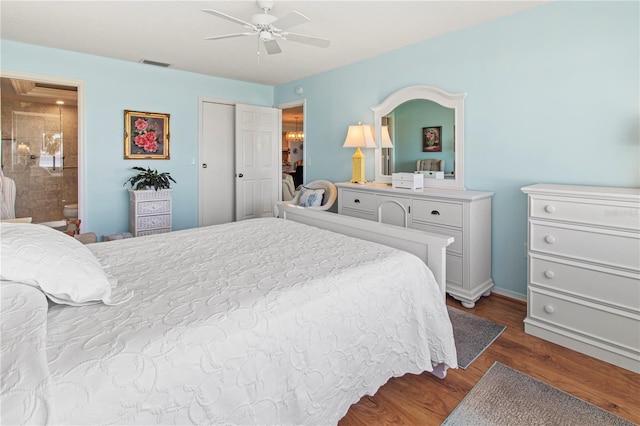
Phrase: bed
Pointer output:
(264, 321)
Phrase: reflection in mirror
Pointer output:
(423, 131)
(387, 145)
(425, 126)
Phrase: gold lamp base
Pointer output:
(358, 167)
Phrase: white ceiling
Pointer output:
(173, 31)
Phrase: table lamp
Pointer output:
(359, 136)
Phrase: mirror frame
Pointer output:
(429, 93)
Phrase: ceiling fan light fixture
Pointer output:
(266, 36)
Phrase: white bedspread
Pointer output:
(263, 321)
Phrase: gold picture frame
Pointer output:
(146, 135)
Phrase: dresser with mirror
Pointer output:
(443, 206)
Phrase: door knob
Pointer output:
(240, 175)
(204, 165)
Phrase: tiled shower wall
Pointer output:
(41, 192)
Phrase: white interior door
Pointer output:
(258, 169)
(216, 157)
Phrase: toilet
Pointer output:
(70, 211)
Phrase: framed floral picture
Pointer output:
(432, 139)
(146, 135)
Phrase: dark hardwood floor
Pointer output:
(426, 400)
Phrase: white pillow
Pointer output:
(310, 197)
(58, 264)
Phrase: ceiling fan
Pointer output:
(269, 28)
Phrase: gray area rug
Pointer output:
(472, 335)
(505, 396)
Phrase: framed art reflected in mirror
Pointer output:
(431, 139)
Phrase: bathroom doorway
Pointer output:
(40, 141)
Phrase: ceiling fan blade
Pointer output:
(228, 36)
(290, 20)
(300, 38)
(272, 47)
(229, 18)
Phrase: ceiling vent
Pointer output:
(156, 63)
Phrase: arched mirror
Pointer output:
(421, 128)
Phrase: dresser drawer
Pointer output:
(437, 212)
(358, 200)
(622, 215)
(362, 214)
(617, 327)
(150, 222)
(455, 246)
(454, 271)
(585, 281)
(154, 207)
(619, 249)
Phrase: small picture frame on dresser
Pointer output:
(146, 135)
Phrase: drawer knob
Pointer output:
(549, 239)
(435, 212)
(549, 309)
(549, 208)
(356, 201)
(549, 274)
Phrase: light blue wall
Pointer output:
(113, 86)
(553, 96)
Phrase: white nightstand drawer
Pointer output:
(598, 284)
(154, 207)
(437, 212)
(622, 215)
(150, 222)
(616, 327)
(153, 232)
(619, 249)
(358, 200)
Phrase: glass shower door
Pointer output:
(37, 165)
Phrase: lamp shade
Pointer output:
(359, 136)
(386, 139)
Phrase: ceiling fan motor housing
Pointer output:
(262, 20)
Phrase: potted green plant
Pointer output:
(150, 178)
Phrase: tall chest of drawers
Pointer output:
(584, 270)
(464, 215)
(149, 212)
